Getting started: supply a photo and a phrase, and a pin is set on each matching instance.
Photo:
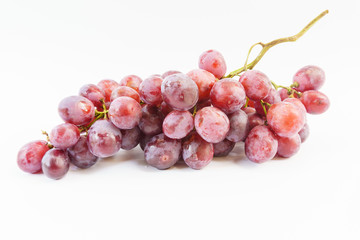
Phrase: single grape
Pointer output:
(104, 139)
(64, 135)
(76, 110)
(255, 119)
(304, 132)
(212, 124)
(178, 124)
(131, 81)
(179, 91)
(130, 138)
(150, 90)
(123, 91)
(196, 152)
(257, 85)
(204, 80)
(93, 93)
(107, 86)
(168, 73)
(162, 152)
(309, 78)
(214, 62)
(288, 147)
(284, 93)
(125, 112)
(165, 109)
(30, 155)
(228, 95)
(239, 126)
(272, 97)
(261, 144)
(55, 163)
(151, 120)
(315, 102)
(223, 148)
(286, 119)
(80, 154)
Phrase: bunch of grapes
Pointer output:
(190, 117)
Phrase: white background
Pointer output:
(49, 49)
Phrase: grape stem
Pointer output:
(267, 46)
(291, 90)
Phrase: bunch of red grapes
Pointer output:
(175, 116)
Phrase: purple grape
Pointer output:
(144, 140)
(55, 163)
(30, 155)
(162, 152)
(239, 126)
(125, 112)
(223, 148)
(76, 110)
(178, 124)
(130, 138)
(104, 139)
(64, 135)
(94, 94)
(80, 154)
(151, 120)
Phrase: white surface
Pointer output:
(49, 49)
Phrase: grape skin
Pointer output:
(162, 152)
(80, 155)
(257, 85)
(55, 163)
(304, 132)
(196, 152)
(30, 155)
(223, 148)
(272, 97)
(261, 144)
(309, 78)
(168, 73)
(107, 86)
(212, 124)
(297, 103)
(64, 135)
(255, 119)
(204, 80)
(125, 112)
(179, 91)
(93, 93)
(228, 95)
(178, 124)
(150, 90)
(104, 139)
(131, 81)
(214, 62)
(165, 109)
(130, 138)
(239, 126)
(288, 147)
(123, 91)
(76, 110)
(315, 102)
(151, 120)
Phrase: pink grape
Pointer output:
(261, 144)
(64, 135)
(93, 93)
(55, 163)
(255, 119)
(30, 155)
(228, 95)
(239, 126)
(125, 112)
(315, 102)
(168, 73)
(283, 93)
(107, 86)
(212, 124)
(257, 85)
(309, 78)
(179, 91)
(272, 97)
(178, 124)
(286, 119)
(150, 90)
(162, 152)
(130, 138)
(131, 81)
(151, 120)
(104, 139)
(204, 80)
(76, 110)
(249, 110)
(196, 152)
(223, 148)
(304, 132)
(214, 62)
(288, 147)
(123, 91)
(80, 154)
(165, 109)
(297, 103)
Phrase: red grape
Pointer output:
(288, 147)
(107, 86)
(297, 103)
(165, 109)
(228, 95)
(162, 152)
(178, 124)
(123, 91)
(150, 90)
(315, 102)
(130, 138)
(55, 163)
(125, 112)
(214, 62)
(179, 91)
(76, 110)
(255, 119)
(168, 73)
(80, 154)
(257, 85)
(272, 97)
(212, 124)
(64, 135)
(283, 93)
(196, 152)
(94, 94)
(261, 144)
(131, 81)
(223, 148)
(151, 120)
(204, 80)
(309, 78)
(304, 132)
(30, 155)
(104, 139)
(239, 126)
